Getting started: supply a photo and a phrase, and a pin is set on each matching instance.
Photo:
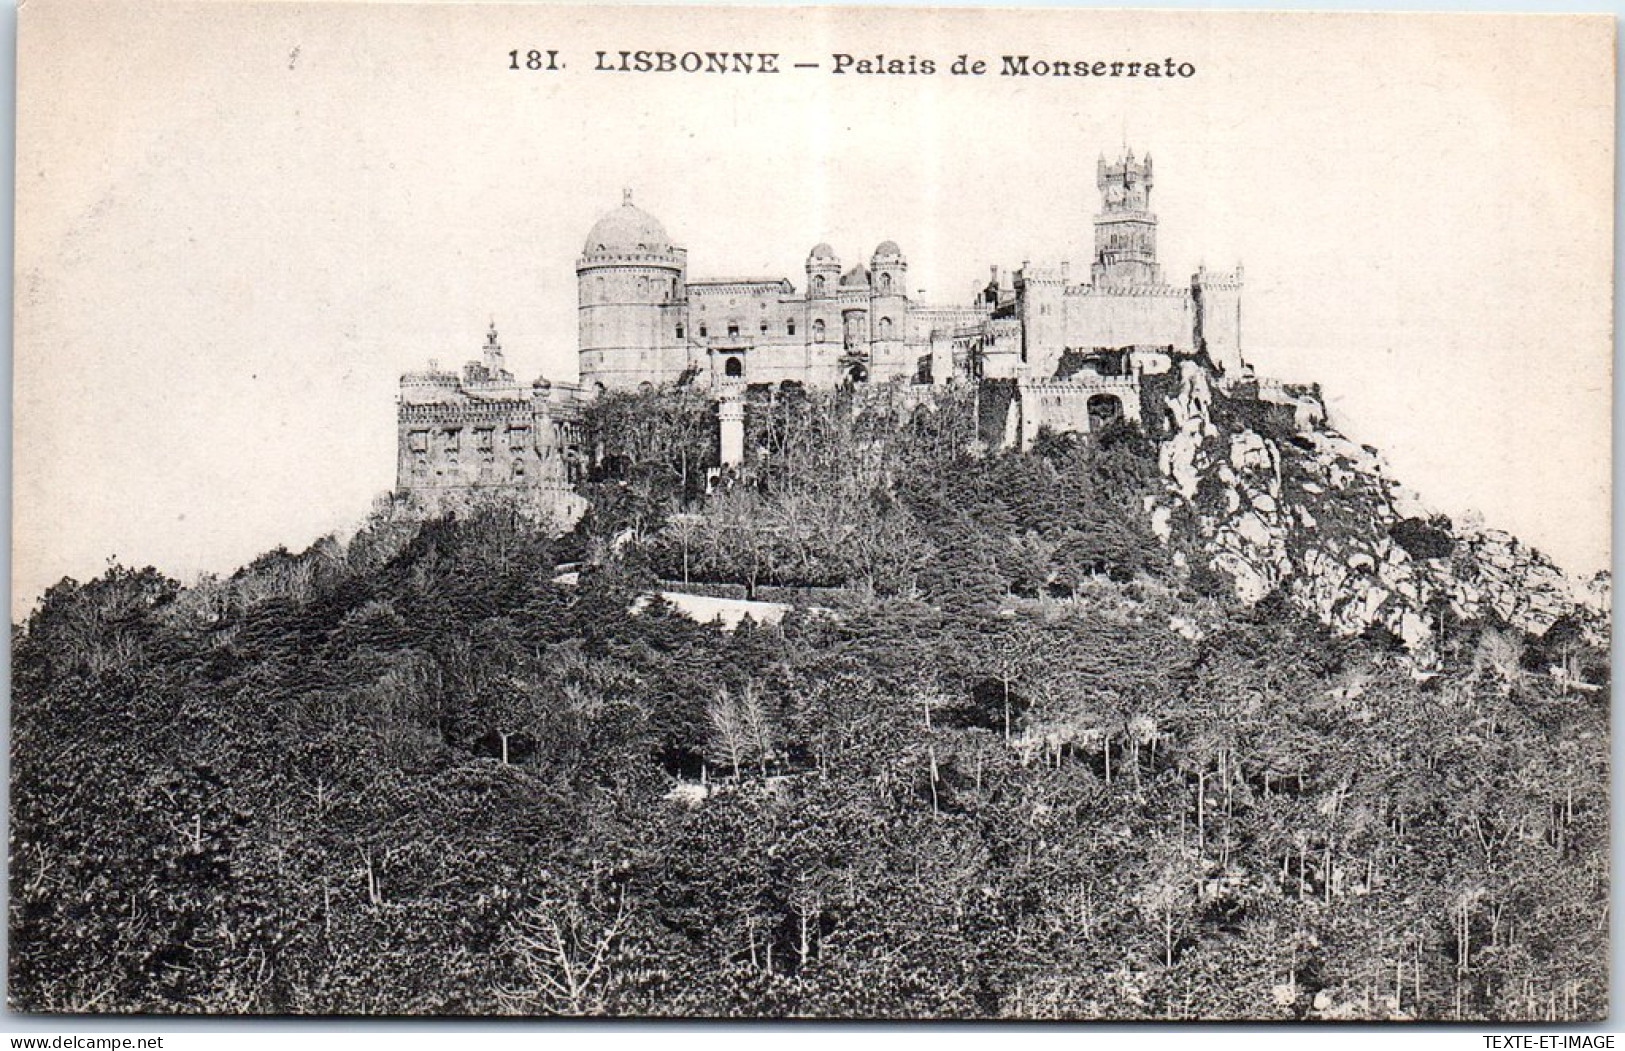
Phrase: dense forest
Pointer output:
(1008, 758)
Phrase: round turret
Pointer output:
(632, 298)
(823, 271)
(890, 270)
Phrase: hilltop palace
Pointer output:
(1074, 352)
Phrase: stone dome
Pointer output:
(888, 250)
(627, 229)
(857, 277)
(821, 251)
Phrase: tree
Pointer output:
(566, 950)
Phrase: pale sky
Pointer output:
(237, 224)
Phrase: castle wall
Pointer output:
(1091, 318)
(1079, 405)
(1217, 298)
(461, 436)
(759, 311)
(761, 363)
(896, 359)
(1002, 349)
(759, 331)
(450, 446)
(926, 321)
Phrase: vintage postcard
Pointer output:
(827, 512)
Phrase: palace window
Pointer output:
(702, 330)
(734, 368)
(518, 469)
(418, 441)
(764, 328)
(818, 331)
(818, 284)
(790, 327)
(517, 436)
(885, 328)
(454, 439)
(885, 284)
(482, 439)
(733, 330)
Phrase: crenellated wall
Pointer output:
(481, 432)
(1081, 405)
(1217, 297)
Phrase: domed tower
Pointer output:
(888, 270)
(823, 272)
(630, 283)
(888, 293)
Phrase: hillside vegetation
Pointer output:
(1024, 758)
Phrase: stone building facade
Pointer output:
(463, 434)
(1077, 352)
(643, 319)
(1069, 344)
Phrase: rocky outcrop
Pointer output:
(1263, 491)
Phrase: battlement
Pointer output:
(1082, 383)
(431, 377)
(1125, 170)
(452, 413)
(1126, 215)
(1168, 291)
(676, 257)
(1037, 275)
(1229, 280)
(714, 285)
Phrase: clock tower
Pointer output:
(1125, 229)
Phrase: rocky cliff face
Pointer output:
(1266, 493)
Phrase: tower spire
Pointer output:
(493, 351)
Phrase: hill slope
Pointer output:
(1265, 491)
(1028, 759)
